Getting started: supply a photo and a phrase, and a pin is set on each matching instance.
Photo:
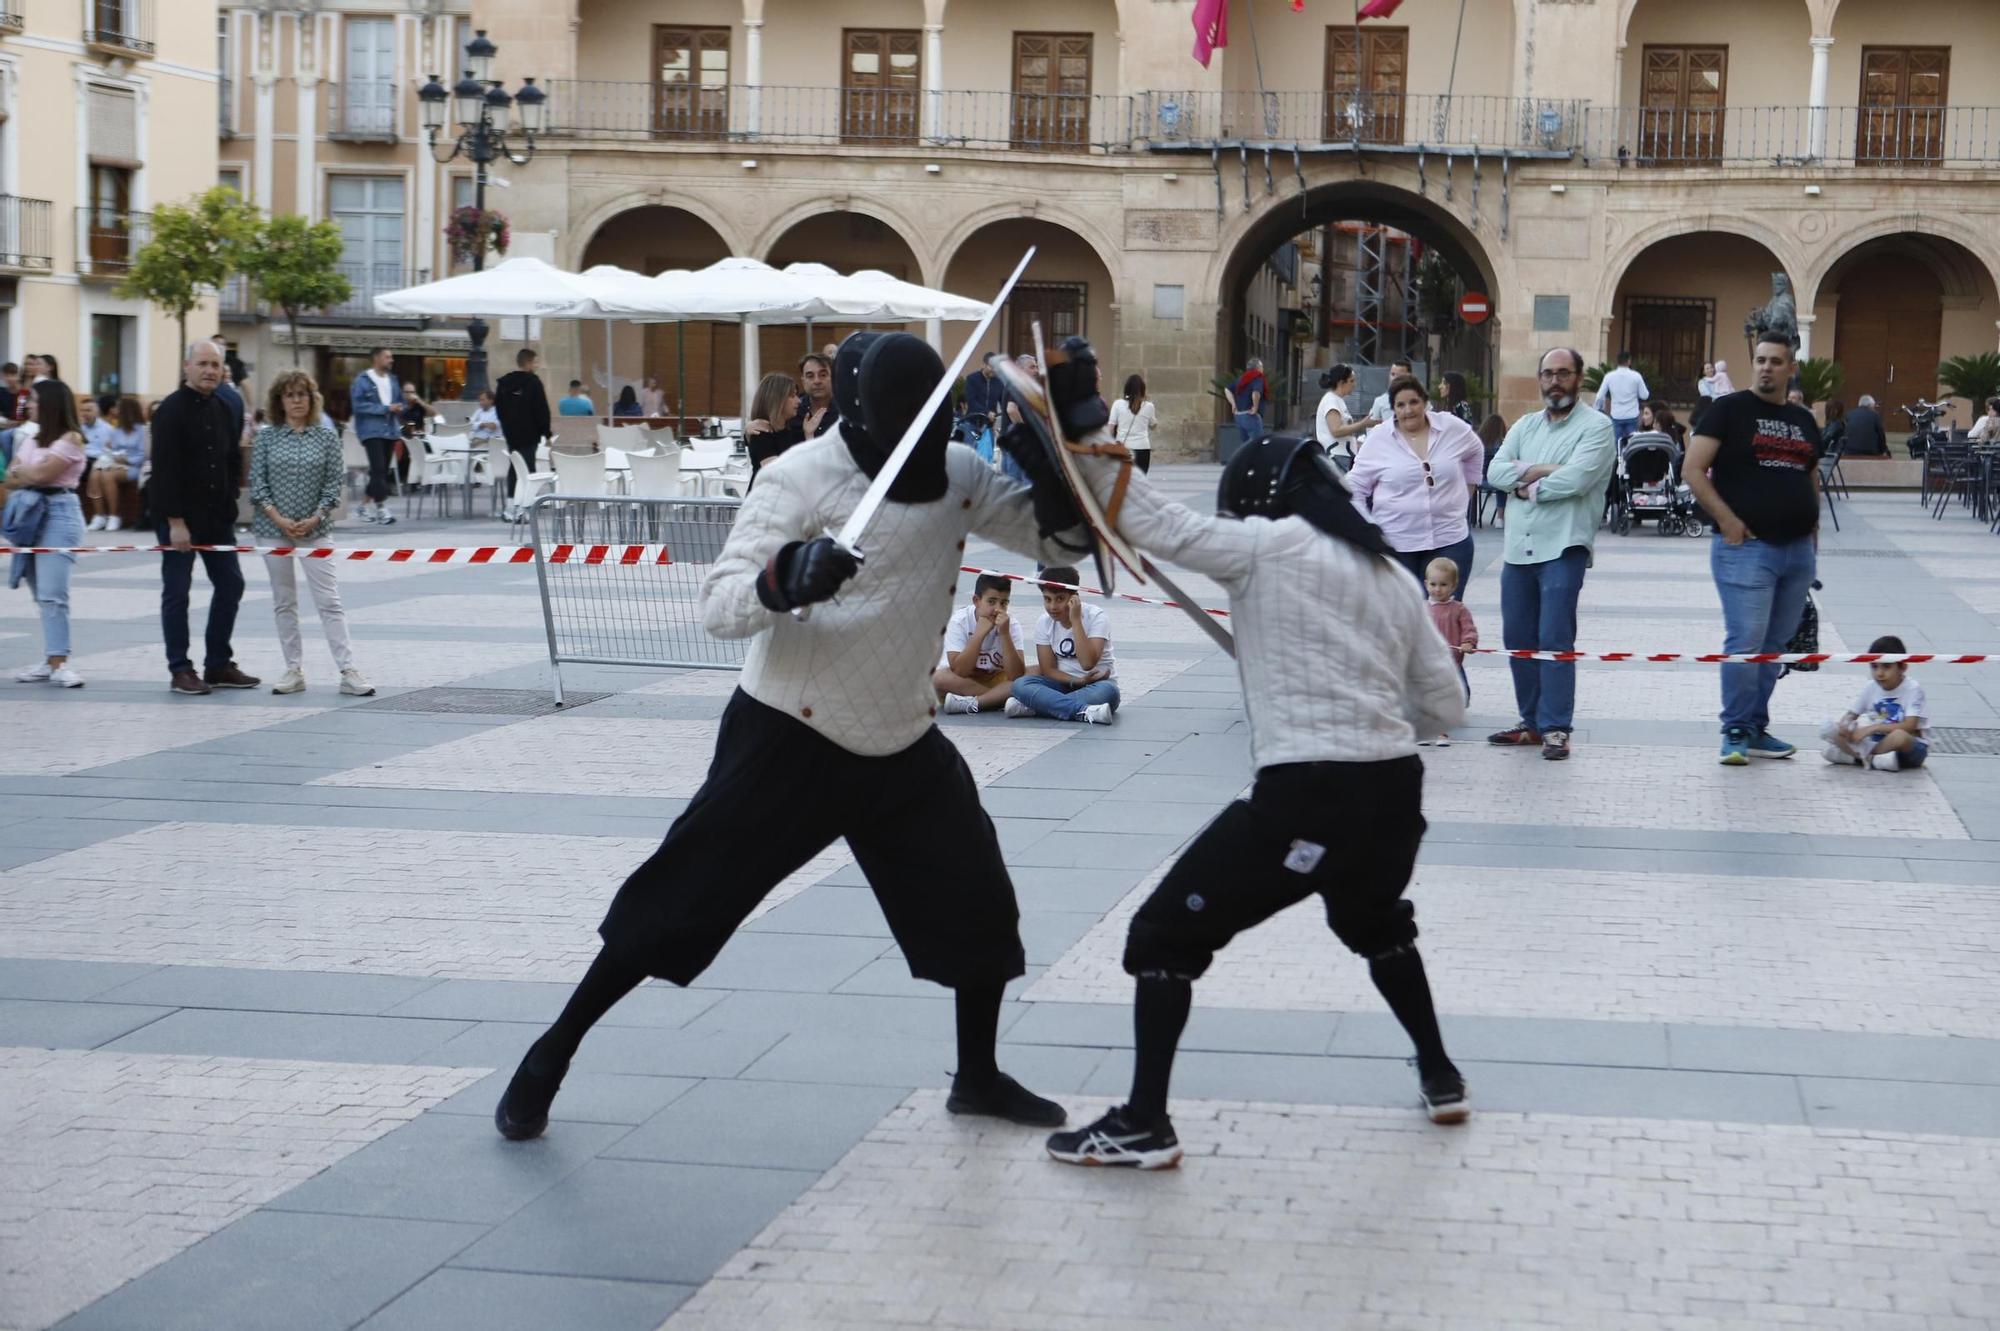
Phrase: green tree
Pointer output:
(194, 247)
(1974, 378)
(294, 264)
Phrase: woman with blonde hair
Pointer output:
(768, 432)
(295, 475)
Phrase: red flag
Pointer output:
(1380, 8)
(1211, 28)
(1298, 6)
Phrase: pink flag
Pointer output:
(1211, 28)
(1380, 8)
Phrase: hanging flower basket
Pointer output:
(471, 232)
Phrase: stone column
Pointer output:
(1806, 322)
(308, 66)
(933, 78)
(753, 75)
(1822, 50)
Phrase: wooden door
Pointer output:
(1902, 103)
(1365, 85)
(1673, 333)
(691, 69)
(1888, 331)
(881, 78)
(709, 356)
(1681, 104)
(1051, 90)
(1059, 306)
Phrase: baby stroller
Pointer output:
(1647, 484)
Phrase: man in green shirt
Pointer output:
(1555, 464)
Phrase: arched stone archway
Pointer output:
(1068, 286)
(845, 241)
(698, 365)
(1891, 304)
(1681, 301)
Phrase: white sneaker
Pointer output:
(1839, 757)
(1099, 714)
(65, 678)
(35, 674)
(1016, 708)
(292, 681)
(1885, 762)
(366, 512)
(95, 524)
(354, 684)
(957, 704)
(385, 517)
(1444, 741)
(115, 524)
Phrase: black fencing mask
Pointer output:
(1278, 476)
(893, 373)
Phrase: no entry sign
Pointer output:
(1473, 307)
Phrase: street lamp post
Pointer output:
(482, 109)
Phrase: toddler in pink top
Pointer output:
(1453, 620)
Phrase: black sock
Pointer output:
(608, 980)
(1159, 1014)
(1400, 977)
(978, 1030)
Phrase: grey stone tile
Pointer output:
(1173, 819)
(50, 1024)
(1046, 774)
(854, 1060)
(13, 857)
(28, 977)
(637, 1220)
(826, 909)
(765, 1124)
(1893, 1106)
(772, 1016)
(1206, 790)
(657, 1053)
(73, 833)
(1100, 850)
(270, 990)
(457, 1300)
(1515, 1040)
(449, 1167)
(891, 976)
(800, 962)
(1051, 887)
(1273, 1078)
(586, 1097)
(1109, 1026)
(1727, 1097)
(272, 1268)
(1049, 934)
(1841, 1054)
(654, 1003)
(336, 1039)
(1030, 802)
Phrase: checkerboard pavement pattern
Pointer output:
(1732, 1029)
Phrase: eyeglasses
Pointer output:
(1558, 374)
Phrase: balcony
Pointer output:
(27, 234)
(122, 28)
(225, 108)
(1409, 122)
(1085, 123)
(107, 239)
(362, 111)
(235, 303)
(369, 280)
(1943, 137)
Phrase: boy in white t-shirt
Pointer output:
(985, 650)
(1889, 726)
(1074, 667)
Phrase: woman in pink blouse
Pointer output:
(1416, 475)
(51, 463)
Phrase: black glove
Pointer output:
(1055, 507)
(805, 572)
(1073, 381)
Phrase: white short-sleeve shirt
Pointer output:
(1331, 402)
(1062, 640)
(1877, 704)
(1135, 431)
(958, 632)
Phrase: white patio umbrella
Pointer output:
(510, 289)
(896, 301)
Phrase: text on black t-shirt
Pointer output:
(1764, 467)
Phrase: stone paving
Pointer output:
(266, 962)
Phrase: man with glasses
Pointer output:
(1554, 465)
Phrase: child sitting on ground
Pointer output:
(1073, 675)
(985, 650)
(1889, 726)
(1454, 620)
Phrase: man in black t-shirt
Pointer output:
(1753, 463)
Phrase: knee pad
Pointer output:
(1375, 932)
(1154, 950)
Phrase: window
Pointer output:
(1680, 104)
(230, 177)
(1902, 103)
(461, 36)
(369, 210)
(1057, 306)
(114, 125)
(692, 91)
(111, 339)
(461, 197)
(368, 84)
(880, 77)
(226, 91)
(1051, 90)
(108, 222)
(1676, 334)
(1366, 83)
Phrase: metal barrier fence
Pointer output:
(637, 608)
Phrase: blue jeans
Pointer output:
(225, 577)
(48, 575)
(1250, 425)
(1538, 613)
(1458, 552)
(1047, 699)
(1763, 587)
(1623, 428)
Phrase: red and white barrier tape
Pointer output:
(634, 555)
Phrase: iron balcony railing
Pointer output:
(107, 240)
(235, 301)
(225, 107)
(362, 109)
(369, 281)
(27, 235)
(1858, 136)
(913, 117)
(124, 26)
(1202, 120)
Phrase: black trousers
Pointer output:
(381, 459)
(225, 579)
(526, 449)
(1346, 832)
(778, 793)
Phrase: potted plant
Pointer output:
(471, 232)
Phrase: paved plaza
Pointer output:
(1733, 1036)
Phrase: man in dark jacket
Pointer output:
(197, 470)
(1864, 437)
(982, 391)
(523, 405)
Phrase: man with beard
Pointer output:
(1555, 465)
(830, 733)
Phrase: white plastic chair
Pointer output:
(528, 487)
(662, 437)
(489, 467)
(656, 475)
(353, 459)
(624, 437)
(426, 468)
(580, 473)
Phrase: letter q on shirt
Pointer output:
(1063, 641)
(958, 632)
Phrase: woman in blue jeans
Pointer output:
(53, 464)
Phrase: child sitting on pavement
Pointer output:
(1073, 675)
(985, 650)
(1454, 620)
(1889, 726)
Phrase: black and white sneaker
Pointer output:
(1003, 1097)
(1116, 1139)
(1444, 1096)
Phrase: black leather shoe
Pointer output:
(1003, 1097)
(523, 1111)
